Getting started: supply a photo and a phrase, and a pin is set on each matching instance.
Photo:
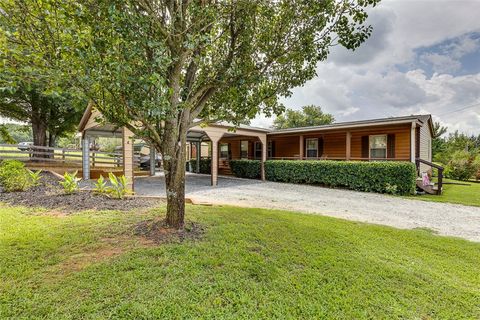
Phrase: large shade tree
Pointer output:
(159, 67)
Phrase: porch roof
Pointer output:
(419, 119)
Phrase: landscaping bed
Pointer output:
(50, 195)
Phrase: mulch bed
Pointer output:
(157, 231)
(49, 194)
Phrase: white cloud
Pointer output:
(388, 75)
(441, 63)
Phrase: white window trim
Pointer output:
(386, 145)
(306, 147)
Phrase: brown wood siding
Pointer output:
(402, 140)
(235, 143)
(286, 146)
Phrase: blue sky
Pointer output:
(423, 57)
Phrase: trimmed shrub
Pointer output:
(461, 166)
(249, 169)
(14, 176)
(379, 176)
(205, 165)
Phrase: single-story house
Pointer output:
(405, 138)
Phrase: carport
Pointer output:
(94, 125)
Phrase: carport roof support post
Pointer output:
(127, 140)
(85, 158)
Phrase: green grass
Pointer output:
(251, 263)
(468, 194)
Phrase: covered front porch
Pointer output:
(392, 143)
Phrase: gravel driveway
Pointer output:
(446, 219)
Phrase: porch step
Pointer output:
(225, 171)
(430, 189)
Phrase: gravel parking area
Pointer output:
(446, 219)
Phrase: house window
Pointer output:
(378, 147)
(244, 149)
(224, 150)
(258, 150)
(312, 148)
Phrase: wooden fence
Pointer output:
(62, 156)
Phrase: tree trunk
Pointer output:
(39, 131)
(39, 125)
(174, 168)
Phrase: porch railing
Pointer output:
(433, 166)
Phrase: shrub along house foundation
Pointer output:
(406, 138)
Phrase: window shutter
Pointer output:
(304, 155)
(230, 151)
(320, 147)
(273, 149)
(365, 147)
(391, 146)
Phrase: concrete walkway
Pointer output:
(446, 219)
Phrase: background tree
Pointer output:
(161, 67)
(438, 143)
(309, 116)
(50, 116)
(12, 133)
(31, 90)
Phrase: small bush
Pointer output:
(14, 176)
(379, 176)
(70, 182)
(205, 165)
(462, 166)
(118, 188)
(249, 169)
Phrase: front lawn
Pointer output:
(250, 263)
(468, 193)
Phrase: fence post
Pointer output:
(63, 155)
(440, 181)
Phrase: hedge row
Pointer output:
(249, 169)
(382, 177)
(205, 165)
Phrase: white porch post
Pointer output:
(198, 156)
(153, 160)
(214, 165)
(85, 158)
(413, 147)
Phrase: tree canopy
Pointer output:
(308, 116)
(160, 67)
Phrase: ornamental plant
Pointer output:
(70, 182)
(118, 186)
